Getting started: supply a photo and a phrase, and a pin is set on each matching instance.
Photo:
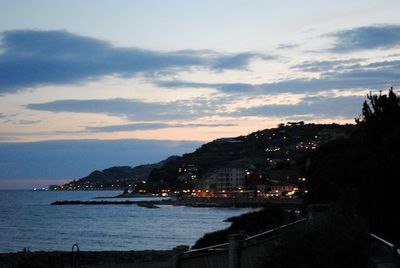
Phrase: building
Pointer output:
(255, 177)
(228, 140)
(327, 135)
(292, 124)
(225, 179)
(187, 173)
(281, 189)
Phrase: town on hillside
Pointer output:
(265, 164)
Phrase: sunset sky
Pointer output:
(86, 85)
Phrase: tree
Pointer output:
(382, 113)
(361, 174)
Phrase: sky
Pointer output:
(87, 85)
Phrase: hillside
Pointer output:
(278, 151)
(116, 177)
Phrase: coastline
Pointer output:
(115, 258)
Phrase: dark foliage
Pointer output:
(336, 240)
(249, 224)
(362, 173)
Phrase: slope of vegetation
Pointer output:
(249, 224)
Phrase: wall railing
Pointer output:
(239, 249)
(393, 249)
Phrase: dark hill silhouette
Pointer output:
(122, 175)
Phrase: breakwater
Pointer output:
(147, 204)
(194, 202)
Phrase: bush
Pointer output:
(249, 224)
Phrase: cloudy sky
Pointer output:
(156, 77)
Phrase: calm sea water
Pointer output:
(28, 220)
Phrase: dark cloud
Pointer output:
(238, 61)
(28, 122)
(294, 86)
(133, 109)
(394, 65)
(369, 37)
(346, 75)
(150, 126)
(288, 46)
(356, 78)
(5, 136)
(338, 74)
(31, 58)
(328, 66)
(325, 106)
(317, 107)
(226, 87)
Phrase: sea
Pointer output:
(27, 220)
